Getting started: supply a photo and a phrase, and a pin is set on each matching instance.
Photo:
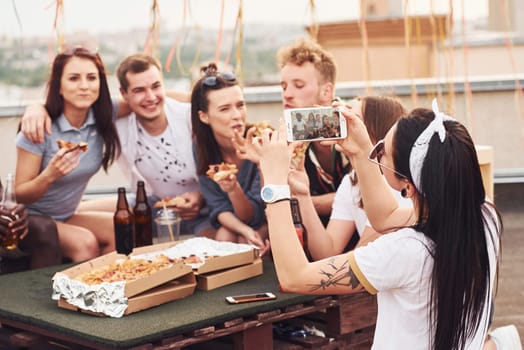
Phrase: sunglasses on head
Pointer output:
(376, 154)
(211, 80)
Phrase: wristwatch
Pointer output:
(275, 193)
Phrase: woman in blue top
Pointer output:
(218, 113)
(50, 180)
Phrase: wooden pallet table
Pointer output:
(203, 320)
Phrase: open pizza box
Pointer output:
(216, 279)
(213, 255)
(170, 291)
(116, 299)
(221, 263)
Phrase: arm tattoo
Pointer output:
(335, 275)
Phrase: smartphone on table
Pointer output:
(246, 298)
(314, 124)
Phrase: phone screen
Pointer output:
(314, 124)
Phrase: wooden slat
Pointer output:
(233, 322)
(53, 336)
(247, 324)
(293, 307)
(360, 313)
(171, 339)
(266, 315)
(26, 339)
(142, 347)
(202, 331)
(324, 300)
(258, 338)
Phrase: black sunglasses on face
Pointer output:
(376, 154)
(211, 80)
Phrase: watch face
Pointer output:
(267, 193)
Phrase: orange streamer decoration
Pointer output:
(177, 41)
(153, 34)
(365, 45)
(220, 33)
(451, 83)
(240, 40)
(239, 14)
(313, 31)
(199, 45)
(467, 87)
(238, 35)
(407, 43)
(518, 87)
(57, 28)
(436, 67)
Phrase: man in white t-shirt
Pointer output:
(156, 140)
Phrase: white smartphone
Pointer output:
(246, 298)
(314, 124)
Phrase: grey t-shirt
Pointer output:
(63, 196)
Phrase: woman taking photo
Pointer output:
(218, 114)
(51, 180)
(348, 225)
(433, 276)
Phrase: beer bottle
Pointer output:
(124, 224)
(299, 228)
(143, 218)
(8, 193)
(9, 239)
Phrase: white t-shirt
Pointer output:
(397, 267)
(345, 204)
(164, 162)
(300, 125)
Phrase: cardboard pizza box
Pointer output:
(134, 287)
(216, 279)
(173, 290)
(211, 263)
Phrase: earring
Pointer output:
(404, 193)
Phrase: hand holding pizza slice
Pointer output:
(170, 202)
(299, 153)
(222, 171)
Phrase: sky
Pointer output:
(25, 18)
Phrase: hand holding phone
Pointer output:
(246, 298)
(314, 124)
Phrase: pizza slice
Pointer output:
(260, 127)
(299, 152)
(71, 146)
(126, 270)
(222, 171)
(170, 202)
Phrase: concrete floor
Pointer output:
(509, 301)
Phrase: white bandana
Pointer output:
(420, 147)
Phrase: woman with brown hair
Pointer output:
(51, 180)
(218, 114)
(348, 225)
